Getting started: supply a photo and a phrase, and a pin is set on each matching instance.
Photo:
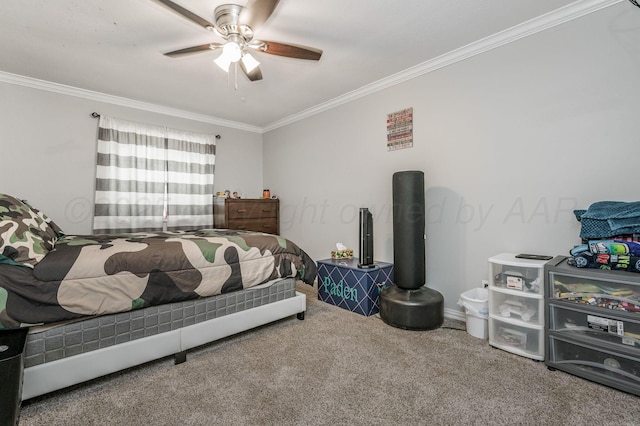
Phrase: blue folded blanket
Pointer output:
(605, 219)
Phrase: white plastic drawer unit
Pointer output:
(516, 305)
(524, 275)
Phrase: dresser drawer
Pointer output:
(259, 225)
(251, 210)
(248, 214)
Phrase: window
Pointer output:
(150, 178)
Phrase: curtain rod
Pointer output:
(96, 115)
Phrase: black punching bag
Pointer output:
(409, 304)
(408, 229)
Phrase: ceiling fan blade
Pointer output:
(188, 14)
(194, 49)
(256, 12)
(288, 50)
(254, 75)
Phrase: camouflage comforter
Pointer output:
(103, 274)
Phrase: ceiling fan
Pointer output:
(236, 25)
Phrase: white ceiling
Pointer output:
(116, 47)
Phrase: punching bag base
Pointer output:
(421, 309)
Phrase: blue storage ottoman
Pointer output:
(342, 283)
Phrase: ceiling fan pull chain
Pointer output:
(235, 73)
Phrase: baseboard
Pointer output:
(454, 314)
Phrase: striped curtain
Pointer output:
(150, 178)
(190, 165)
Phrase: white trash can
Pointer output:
(476, 305)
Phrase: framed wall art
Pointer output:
(400, 129)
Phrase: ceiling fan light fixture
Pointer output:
(231, 52)
(250, 63)
(223, 62)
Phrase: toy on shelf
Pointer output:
(517, 281)
(512, 307)
(512, 337)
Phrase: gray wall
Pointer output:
(511, 141)
(48, 151)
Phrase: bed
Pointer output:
(96, 304)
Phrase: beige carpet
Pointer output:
(339, 368)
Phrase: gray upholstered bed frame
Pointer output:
(62, 356)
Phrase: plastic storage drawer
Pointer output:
(512, 336)
(512, 304)
(524, 275)
(613, 368)
(594, 292)
(597, 327)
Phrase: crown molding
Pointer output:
(557, 17)
(34, 83)
(560, 16)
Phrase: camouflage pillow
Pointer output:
(26, 235)
(56, 229)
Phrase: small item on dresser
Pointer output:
(266, 193)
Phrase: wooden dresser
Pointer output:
(262, 215)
